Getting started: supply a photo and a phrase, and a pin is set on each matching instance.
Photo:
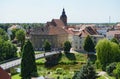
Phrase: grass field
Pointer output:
(66, 63)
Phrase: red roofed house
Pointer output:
(4, 74)
(82, 33)
(113, 34)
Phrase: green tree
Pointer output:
(110, 68)
(117, 71)
(20, 35)
(7, 50)
(67, 46)
(107, 52)
(89, 45)
(3, 35)
(13, 33)
(28, 65)
(86, 72)
(47, 46)
(115, 40)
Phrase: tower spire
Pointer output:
(63, 17)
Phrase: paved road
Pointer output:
(17, 62)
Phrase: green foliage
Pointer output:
(13, 33)
(88, 44)
(59, 71)
(86, 72)
(28, 65)
(3, 35)
(107, 52)
(98, 65)
(70, 56)
(7, 50)
(52, 60)
(47, 46)
(115, 40)
(117, 71)
(110, 68)
(20, 35)
(67, 46)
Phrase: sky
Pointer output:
(77, 11)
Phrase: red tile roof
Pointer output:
(4, 74)
(113, 32)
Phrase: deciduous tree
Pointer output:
(20, 35)
(107, 52)
(7, 50)
(3, 35)
(115, 40)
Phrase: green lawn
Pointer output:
(68, 62)
(16, 76)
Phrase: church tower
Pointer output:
(63, 17)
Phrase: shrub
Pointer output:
(59, 70)
(86, 72)
(110, 68)
(116, 71)
(98, 65)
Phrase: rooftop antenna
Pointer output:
(109, 19)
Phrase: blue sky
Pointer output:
(41, 11)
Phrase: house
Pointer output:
(4, 74)
(9, 30)
(113, 34)
(80, 36)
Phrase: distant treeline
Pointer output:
(5, 26)
(97, 24)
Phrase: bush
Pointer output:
(59, 70)
(110, 68)
(98, 65)
(116, 71)
(86, 72)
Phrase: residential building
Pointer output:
(4, 74)
(79, 37)
(113, 34)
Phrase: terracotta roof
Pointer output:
(56, 31)
(58, 22)
(113, 32)
(69, 31)
(4, 74)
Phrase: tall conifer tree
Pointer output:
(28, 65)
(88, 44)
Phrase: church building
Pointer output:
(54, 31)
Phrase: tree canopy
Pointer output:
(20, 35)
(67, 46)
(28, 65)
(88, 44)
(86, 72)
(47, 46)
(13, 33)
(115, 40)
(107, 52)
(7, 50)
(3, 35)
